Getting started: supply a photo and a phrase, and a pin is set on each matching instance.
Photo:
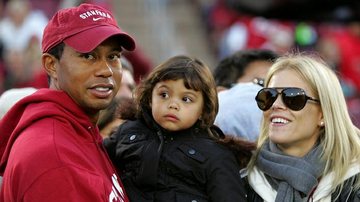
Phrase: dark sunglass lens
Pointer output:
(294, 98)
(265, 98)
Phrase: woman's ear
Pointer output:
(49, 64)
(321, 122)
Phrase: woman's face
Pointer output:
(295, 132)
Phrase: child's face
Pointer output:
(174, 107)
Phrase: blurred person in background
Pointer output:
(20, 24)
(21, 31)
(238, 78)
(256, 32)
(23, 68)
(120, 110)
(11, 96)
(16, 69)
(2, 79)
(128, 83)
(347, 42)
(339, 45)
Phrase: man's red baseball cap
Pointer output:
(83, 28)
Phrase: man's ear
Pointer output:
(49, 64)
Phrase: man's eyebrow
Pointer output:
(120, 49)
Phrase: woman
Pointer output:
(308, 149)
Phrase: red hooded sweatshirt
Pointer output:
(50, 151)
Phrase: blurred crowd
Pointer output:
(21, 27)
(336, 39)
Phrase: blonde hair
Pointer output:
(340, 138)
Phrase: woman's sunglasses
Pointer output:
(294, 98)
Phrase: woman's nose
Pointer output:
(278, 103)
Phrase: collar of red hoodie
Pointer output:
(43, 103)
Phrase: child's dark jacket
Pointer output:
(182, 166)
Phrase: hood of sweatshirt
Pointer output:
(44, 103)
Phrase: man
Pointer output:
(50, 148)
(237, 78)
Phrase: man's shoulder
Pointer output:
(33, 152)
(48, 137)
(37, 140)
(42, 147)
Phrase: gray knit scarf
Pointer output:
(294, 178)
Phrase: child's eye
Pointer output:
(187, 99)
(164, 95)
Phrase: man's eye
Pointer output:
(115, 56)
(87, 56)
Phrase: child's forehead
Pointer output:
(174, 84)
(170, 83)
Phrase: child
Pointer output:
(172, 151)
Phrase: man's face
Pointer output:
(91, 79)
(127, 85)
(256, 69)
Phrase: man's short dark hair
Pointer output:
(231, 68)
(57, 51)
